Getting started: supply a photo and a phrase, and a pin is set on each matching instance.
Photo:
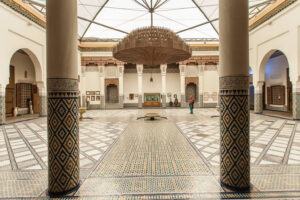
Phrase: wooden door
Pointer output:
(191, 90)
(10, 93)
(35, 99)
(112, 94)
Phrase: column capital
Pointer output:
(121, 70)
(163, 68)
(140, 68)
(200, 70)
(296, 86)
(102, 70)
(182, 68)
(259, 83)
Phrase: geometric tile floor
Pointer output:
(177, 158)
(273, 142)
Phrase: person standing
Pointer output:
(191, 103)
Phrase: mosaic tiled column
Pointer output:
(102, 87)
(2, 105)
(258, 98)
(140, 85)
(163, 69)
(296, 101)
(201, 85)
(234, 87)
(121, 86)
(63, 99)
(182, 85)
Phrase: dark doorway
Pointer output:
(112, 94)
(191, 90)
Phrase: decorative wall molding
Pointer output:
(100, 61)
(112, 81)
(189, 80)
(234, 83)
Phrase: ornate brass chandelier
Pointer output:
(152, 46)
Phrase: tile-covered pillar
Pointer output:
(296, 101)
(163, 69)
(234, 87)
(201, 84)
(140, 84)
(121, 85)
(42, 99)
(63, 97)
(102, 86)
(2, 104)
(258, 97)
(182, 85)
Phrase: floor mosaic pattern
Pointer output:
(178, 158)
(273, 141)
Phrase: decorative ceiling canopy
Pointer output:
(152, 46)
(114, 19)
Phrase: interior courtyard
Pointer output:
(150, 99)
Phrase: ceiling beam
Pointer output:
(103, 25)
(141, 4)
(206, 17)
(91, 21)
(262, 3)
(208, 22)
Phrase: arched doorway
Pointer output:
(277, 88)
(191, 90)
(112, 93)
(21, 95)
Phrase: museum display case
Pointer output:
(152, 100)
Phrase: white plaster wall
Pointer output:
(130, 87)
(18, 32)
(23, 63)
(152, 87)
(275, 74)
(211, 86)
(173, 86)
(281, 32)
(93, 84)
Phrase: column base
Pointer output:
(140, 104)
(201, 104)
(164, 101)
(121, 101)
(43, 106)
(83, 101)
(236, 189)
(2, 110)
(182, 101)
(102, 102)
(258, 103)
(61, 194)
(296, 106)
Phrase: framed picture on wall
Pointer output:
(97, 98)
(88, 93)
(131, 96)
(175, 96)
(93, 92)
(97, 92)
(93, 98)
(169, 95)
